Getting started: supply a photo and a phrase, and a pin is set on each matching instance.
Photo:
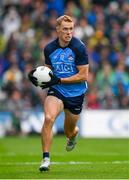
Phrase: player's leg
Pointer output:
(70, 124)
(73, 108)
(52, 107)
(70, 129)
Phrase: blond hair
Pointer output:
(64, 18)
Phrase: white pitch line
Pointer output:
(62, 154)
(63, 163)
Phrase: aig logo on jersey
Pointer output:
(71, 58)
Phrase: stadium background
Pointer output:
(26, 26)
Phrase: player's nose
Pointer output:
(69, 31)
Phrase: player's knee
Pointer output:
(49, 119)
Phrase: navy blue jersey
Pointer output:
(64, 62)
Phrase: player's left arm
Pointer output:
(82, 75)
(82, 65)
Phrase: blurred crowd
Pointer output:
(26, 26)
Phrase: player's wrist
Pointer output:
(59, 80)
(62, 80)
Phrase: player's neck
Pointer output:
(63, 44)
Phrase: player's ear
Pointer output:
(57, 29)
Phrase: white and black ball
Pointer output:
(42, 74)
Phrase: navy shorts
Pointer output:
(73, 104)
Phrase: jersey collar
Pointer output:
(57, 42)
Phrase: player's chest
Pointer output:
(63, 55)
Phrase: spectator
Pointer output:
(11, 23)
(83, 29)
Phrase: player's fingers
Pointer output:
(44, 87)
(51, 74)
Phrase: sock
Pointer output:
(45, 154)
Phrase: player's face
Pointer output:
(65, 31)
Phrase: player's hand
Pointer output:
(32, 78)
(54, 80)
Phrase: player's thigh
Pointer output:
(52, 107)
(70, 119)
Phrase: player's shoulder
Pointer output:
(51, 45)
(77, 44)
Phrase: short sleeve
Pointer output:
(46, 55)
(81, 55)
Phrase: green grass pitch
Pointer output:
(91, 159)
